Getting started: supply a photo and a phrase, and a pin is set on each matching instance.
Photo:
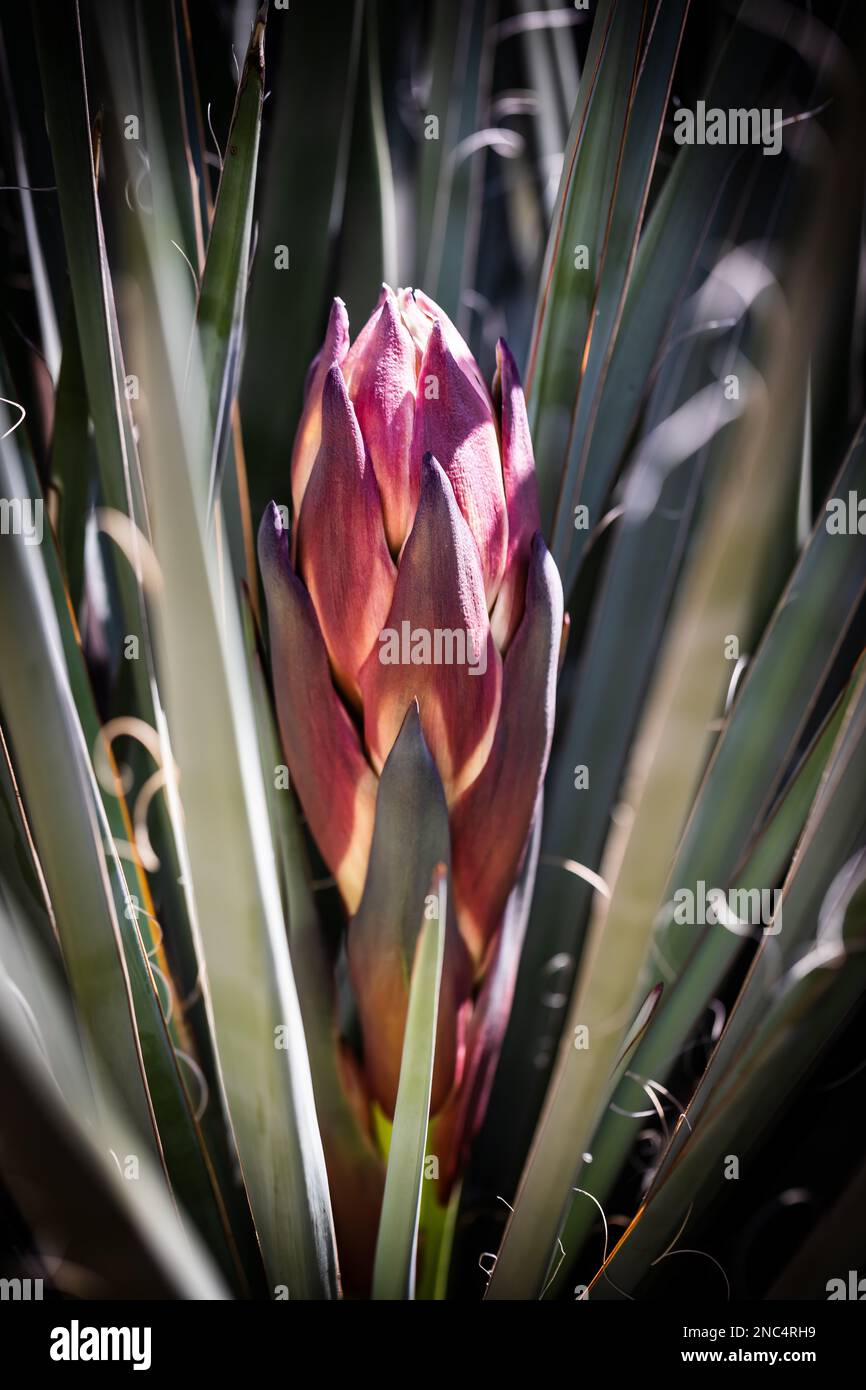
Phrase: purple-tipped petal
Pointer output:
(333, 779)
(309, 433)
(409, 841)
(342, 552)
(521, 495)
(381, 383)
(436, 645)
(491, 821)
(455, 424)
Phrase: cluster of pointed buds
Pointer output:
(415, 620)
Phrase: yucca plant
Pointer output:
(433, 743)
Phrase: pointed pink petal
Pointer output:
(309, 433)
(491, 820)
(438, 601)
(336, 786)
(455, 424)
(342, 552)
(362, 341)
(420, 312)
(418, 323)
(521, 495)
(381, 383)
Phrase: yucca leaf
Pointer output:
(21, 876)
(766, 1041)
(70, 459)
(695, 203)
(67, 114)
(778, 695)
(280, 1153)
(666, 763)
(304, 189)
(219, 314)
(451, 247)
(48, 748)
(355, 1169)
(249, 985)
(755, 752)
(119, 1236)
(552, 68)
(832, 837)
(611, 156)
(436, 1241)
(160, 28)
(159, 1049)
(690, 992)
(396, 1248)
(59, 43)
(591, 171)
(61, 58)
(445, 55)
(367, 253)
(600, 703)
(43, 296)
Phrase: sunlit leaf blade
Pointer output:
(304, 183)
(60, 49)
(116, 1238)
(396, 1248)
(21, 875)
(41, 284)
(219, 315)
(778, 694)
(70, 459)
(798, 990)
(453, 230)
(600, 704)
(367, 244)
(577, 244)
(355, 1169)
(444, 55)
(61, 60)
(601, 699)
(249, 985)
(803, 924)
(49, 750)
(67, 116)
(695, 204)
(626, 189)
(159, 1036)
(552, 68)
(690, 993)
(160, 33)
(717, 597)
(756, 750)
(637, 1031)
(300, 1242)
